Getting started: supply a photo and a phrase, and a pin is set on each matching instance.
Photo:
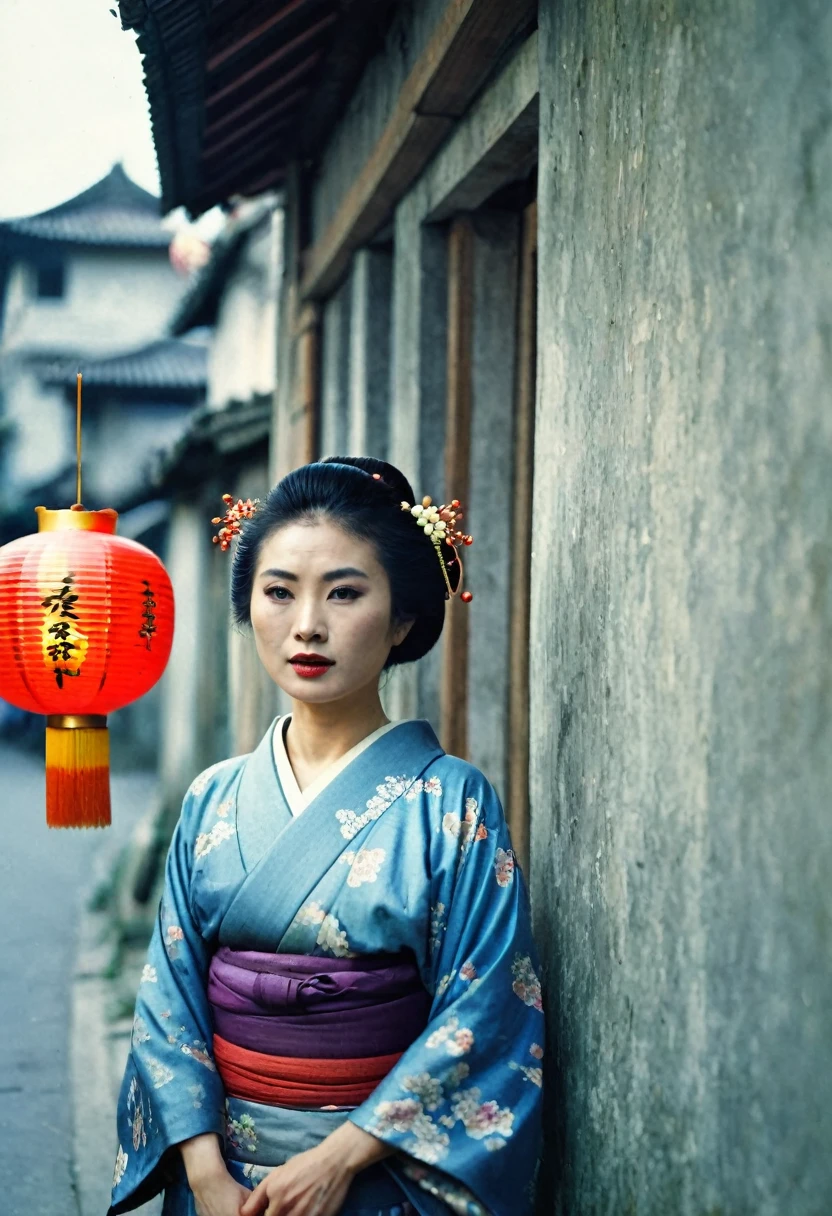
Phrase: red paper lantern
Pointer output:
(86, 626)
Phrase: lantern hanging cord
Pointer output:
(78, 439)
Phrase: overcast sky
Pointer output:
(71, 102)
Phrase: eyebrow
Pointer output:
(331, 576)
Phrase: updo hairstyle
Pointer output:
(343, 490)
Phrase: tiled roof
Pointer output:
(236, 92)
(114, 211)
(169, 364)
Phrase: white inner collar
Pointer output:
(298, 799)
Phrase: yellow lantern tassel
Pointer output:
(77, 772)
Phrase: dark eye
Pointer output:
(278, 593)
(344, 594)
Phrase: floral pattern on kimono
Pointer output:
(169, 1057)
(406, 850)
(449, 1102)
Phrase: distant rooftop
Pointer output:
(171, 365)
(200, 303)
(113, 212)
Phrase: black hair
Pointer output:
(343, 489)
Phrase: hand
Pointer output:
(219, 1195)
(215, 1192)
(315, 1183)
(311, 1184)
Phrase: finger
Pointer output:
(255, 1202)
(275, 1206)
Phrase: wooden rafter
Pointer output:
(264, 119)
(271, 61)
(230, 117)
(255, 33)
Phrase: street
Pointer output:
(44, 876)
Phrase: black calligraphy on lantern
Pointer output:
(148, 615)
(63, 647)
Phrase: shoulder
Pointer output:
(460, 774)
(467, 787)
(216, 776)
(213, 785)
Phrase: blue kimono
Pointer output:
(404, 849)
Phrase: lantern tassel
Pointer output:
(77, 772)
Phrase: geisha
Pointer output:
(340, 1011)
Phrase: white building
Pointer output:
(85, 281)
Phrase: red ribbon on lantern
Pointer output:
(86, 627)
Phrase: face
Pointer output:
(321, 612)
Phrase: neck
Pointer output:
(319, 735)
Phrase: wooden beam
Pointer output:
(472, 49)
(252, 35)
(275, 177)
(454, 682)
(264, 119)
(265, 65)
(236, 176)
(230, 117)
(517, 794)
(493, 144)
(391, 170)
(439, 88)
(306, 414)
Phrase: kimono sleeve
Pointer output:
(171, 1090)
(463, 1105)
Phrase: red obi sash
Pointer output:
(288, 1081)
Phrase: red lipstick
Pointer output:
(310, 666)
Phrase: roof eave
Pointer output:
(174, 89)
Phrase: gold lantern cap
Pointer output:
(78, 518)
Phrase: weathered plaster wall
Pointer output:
(682, 605)
(242, 356)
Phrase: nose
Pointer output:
(309, 624)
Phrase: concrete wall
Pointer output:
(682, 606)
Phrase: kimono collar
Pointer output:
(298, 800)
(302, 849)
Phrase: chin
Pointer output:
(315, 692)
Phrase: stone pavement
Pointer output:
(57, 1139)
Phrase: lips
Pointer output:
(310, 666)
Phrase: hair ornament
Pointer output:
(440, 524)
(235, 514)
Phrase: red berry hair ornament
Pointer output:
(440, 524)
(236, 513)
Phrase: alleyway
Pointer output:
(43, 877)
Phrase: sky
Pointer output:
(72, 103)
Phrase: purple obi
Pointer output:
(322, 1008)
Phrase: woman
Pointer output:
(339, 1012)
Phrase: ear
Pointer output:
(400, 632)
